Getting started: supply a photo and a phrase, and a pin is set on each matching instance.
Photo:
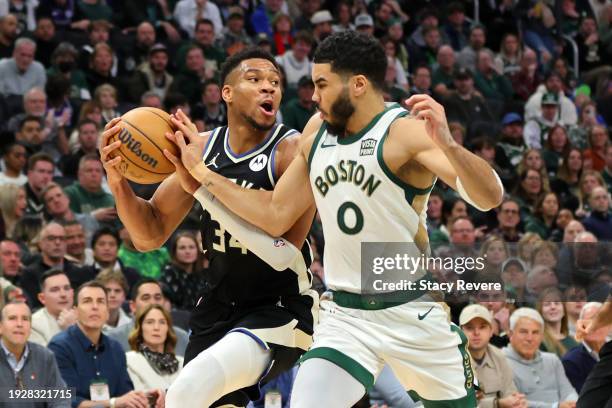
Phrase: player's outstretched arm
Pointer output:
(467, 173)
(150, 223)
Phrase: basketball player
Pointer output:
(369, 168)
(256, 317)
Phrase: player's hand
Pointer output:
(188, 140)
(567, 404)
(196, 143)
(424, 107)
(111, 129)
(188, 183)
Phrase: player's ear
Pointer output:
(226, 93)
(358, 84)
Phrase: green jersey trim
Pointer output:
(409, 190)
(353, 138)
(317, 139)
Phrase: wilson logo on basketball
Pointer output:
(136, 147)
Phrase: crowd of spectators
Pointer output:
(526, 85)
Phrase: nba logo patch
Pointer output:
(367, 147)
(279, 243)
(258, 162)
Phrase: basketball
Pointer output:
(143, 141)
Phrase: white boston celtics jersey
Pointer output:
(360, 200)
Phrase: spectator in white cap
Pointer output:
(539, 375)
(321, 25)
(492, 369)
(364, 24)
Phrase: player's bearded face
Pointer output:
(340, 112)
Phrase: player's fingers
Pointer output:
(181, 126)
(417, 98)
(110, 164)
(106, 150)
(110, 132)
(173, 159)
(425, 104)
(170, 137)
(180, 140)
(112, 123)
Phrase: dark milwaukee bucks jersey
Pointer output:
(235, 273)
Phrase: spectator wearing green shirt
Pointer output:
(86, 194)
(491, 84)
(298, 111)
(148, 264)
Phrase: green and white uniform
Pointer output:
(360, 200)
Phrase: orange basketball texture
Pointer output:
(143, 141)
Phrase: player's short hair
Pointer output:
(248, 53)
(353, 53)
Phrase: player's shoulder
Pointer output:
(408, 131)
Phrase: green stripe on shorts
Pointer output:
(343, 361)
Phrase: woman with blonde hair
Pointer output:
(556, 334)
(525, 246)
(12, 206)
(106, 97)
(152, 363)
(588, 181)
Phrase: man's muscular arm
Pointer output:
(467, 173)
(150, 223)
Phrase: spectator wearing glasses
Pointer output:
(508, 220)
(23, 364)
